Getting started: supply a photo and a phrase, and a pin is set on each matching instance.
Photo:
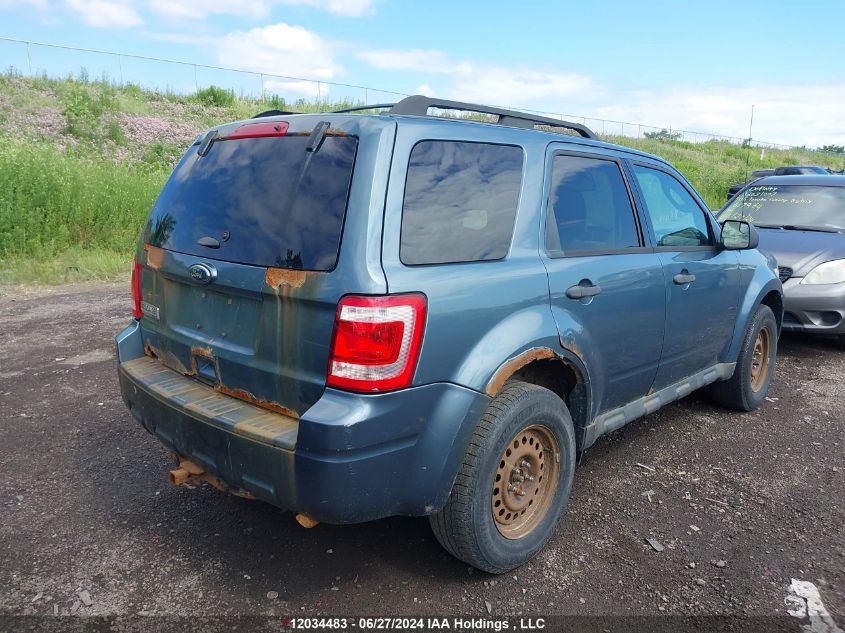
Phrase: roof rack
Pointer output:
(375, 106)
(273, 113)
(418, 105)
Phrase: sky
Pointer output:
(696, 66)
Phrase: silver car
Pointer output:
(801, 221)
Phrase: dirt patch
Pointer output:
(741, 504)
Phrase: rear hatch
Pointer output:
(238, 270)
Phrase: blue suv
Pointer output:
(354, 315)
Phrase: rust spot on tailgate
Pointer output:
(278, 277)
(510, 367)
(246, 396)
(155, 256)
(167, 358)
(205, 352)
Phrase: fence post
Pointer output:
(262, 86)
(120, 69)
(29, 58)
(319, 96)
(196, 84)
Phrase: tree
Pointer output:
(833, 149)
(663, 135)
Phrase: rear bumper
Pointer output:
(350, 458)
(813, 309)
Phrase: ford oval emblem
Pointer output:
(203, 273)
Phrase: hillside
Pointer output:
(81, 163)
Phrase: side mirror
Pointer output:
(738, 235)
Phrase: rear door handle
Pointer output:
(684, 278)
(581, 292)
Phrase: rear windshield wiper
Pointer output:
(207, 142)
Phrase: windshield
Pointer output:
(789, 205)
(258, 201)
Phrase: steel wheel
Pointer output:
(526, 481)
(760, 359)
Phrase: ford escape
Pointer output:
(355, 315)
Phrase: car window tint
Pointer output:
(676, 217)
(266, 201)
(589, 207)
(460, 202)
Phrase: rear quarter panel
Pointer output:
(480, 314)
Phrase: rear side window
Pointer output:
(589, 208)
(677, 219)
(267, 201)
(460, 202)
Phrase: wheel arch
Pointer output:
(767, 291)
(560, 371)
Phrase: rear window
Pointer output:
(589, 208)
(460, 202)
(267, 201)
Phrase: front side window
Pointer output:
(677, 219)
(589, 208)
(460, 202)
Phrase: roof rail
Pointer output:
(273, 113)
(375, 106)
(418, 105)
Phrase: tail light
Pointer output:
(376, 342)
(136, 289)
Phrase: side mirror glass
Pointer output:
(738, 235)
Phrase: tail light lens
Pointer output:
(260, 130)
(376, 342)
(136, 289)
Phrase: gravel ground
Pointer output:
(742, 506)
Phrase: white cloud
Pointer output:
(197, 9)
(181, 38)
(487, 83)
(281, 49)
(105, 14)
(414, 59)
(13, 4)
(295, 89)
(792, 115)
(521, 87)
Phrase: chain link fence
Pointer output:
(180, 77)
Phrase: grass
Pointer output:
(713, 166)
(76, 189)
(58, 207)
(71, 265)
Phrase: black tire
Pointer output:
(738, 392)
(465, 526)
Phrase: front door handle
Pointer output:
(683, 278)
(582, 292)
